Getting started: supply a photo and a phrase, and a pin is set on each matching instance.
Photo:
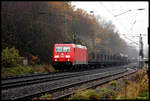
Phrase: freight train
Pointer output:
(70, 56)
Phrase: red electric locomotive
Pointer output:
(69, 56)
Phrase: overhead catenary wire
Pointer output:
(118, 22)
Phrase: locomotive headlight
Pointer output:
(68, 59)
(55, 59)
(56, 56)
(67, 56)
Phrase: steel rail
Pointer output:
(39, 88)
(31, 80)
(92, 85)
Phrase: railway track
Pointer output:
(27, 80)
(67, 91)
(24, 76)
(28, 90)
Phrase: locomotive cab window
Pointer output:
(62, 49)
(58, 49)
(66, 49)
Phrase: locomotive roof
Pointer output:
(75, 45)
(80, 46)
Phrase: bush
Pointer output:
(106, 93)
(113, 83)
(18, 70)
(45, 68)
(136, 89)
(86, 95)
(46, 97)
(33, 60)
(10, 57)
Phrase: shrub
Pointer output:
(35, 60)
(10, 57)
(86, 95)
(32, 60)
(18, 70)
(45, 68)
(106, 92)
(113, 83)
(46, 97)
(136, 89)
(141, 98)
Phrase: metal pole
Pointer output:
(65, 21)
(74, 34)
(94, 36)
(74, 37)
(94, 45)
(140, 51)
(142, 55)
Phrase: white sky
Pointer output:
(131, 23)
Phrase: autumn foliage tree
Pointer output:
(34, 28)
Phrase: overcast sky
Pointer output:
(131, 23)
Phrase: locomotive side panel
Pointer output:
(81, 55)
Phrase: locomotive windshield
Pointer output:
(62, 49)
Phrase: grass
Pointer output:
(85, 95)
(20, 70)
(135, 89)
(43, 68)
(113, 83)
(131, 91)
(46, 96)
